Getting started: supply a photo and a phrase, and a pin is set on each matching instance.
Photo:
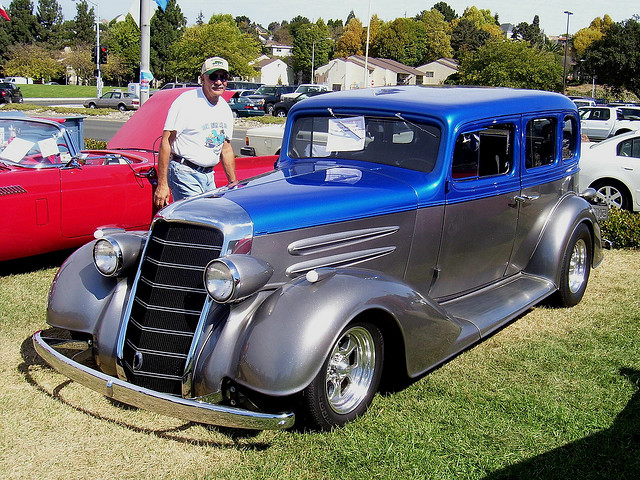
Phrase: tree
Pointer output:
(530, 33)
(32, 60)
(404, 40)
(166, 28)
(123, 39)
(466, 37)
(310, 44)
(586, 36)
(23, 27)
(220, 37)
(615, 58)
(350, 42)
(438, 40)
(116, 69)
(84, 24)
(507, 63)
(447, 12)
(79, 59)
(50, 19)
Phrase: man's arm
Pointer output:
(162, 193)
(228, 160)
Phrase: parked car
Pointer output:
(170, 85)
(602, 122)
(612, 167)
(281, 109)
(244, 106)
(10, 93)
(304, 88)
(242, 85)
(401, 226)
(115, 99)
(268, 95)
(59, 194)
(630, 113)
(260, 141)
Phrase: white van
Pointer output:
(19, 80)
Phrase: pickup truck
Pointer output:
(603, 122)
(268, 95)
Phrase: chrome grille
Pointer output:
(169, 298)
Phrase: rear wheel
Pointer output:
(122, 107)
(612, 194)
(348, 379)
(92, 105)
(280, 113)
(576, 267)
(268, 109)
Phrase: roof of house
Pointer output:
(384, 63)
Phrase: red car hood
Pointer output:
(144, 129)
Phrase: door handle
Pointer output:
(526, 198)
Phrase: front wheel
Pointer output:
(268, 109)
(576, 267)
(348, 379)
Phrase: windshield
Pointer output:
(32, 144)
(388, 141)
(265, 91)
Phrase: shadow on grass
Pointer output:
(32, 359)
(613, 453)
(31, 264)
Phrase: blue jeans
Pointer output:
(186, 182)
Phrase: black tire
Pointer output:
(348, 379)
(92, 105)
(576, 267)
(122, 107)
(281, 112)
(613, 194)
(268, 109)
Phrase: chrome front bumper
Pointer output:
(187, 409)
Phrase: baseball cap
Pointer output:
(214, 64)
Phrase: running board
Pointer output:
(494, 306)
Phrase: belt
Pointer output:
(195, 166)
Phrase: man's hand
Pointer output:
(161, 196)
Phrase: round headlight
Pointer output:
(107, 256)
(219, 281)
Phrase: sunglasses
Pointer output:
(223, 77)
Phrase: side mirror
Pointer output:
(589, 195)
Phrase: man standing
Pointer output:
(197, 135)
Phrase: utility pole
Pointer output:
(145, 49)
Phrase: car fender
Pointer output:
(83, 300)
(573, 210)
(293, 330)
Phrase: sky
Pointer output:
(553, 20)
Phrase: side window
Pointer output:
(629, 148)
(484, 152)
(569, 140)
(540, 142)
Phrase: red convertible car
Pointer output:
(54, 195)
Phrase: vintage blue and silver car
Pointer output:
(401, 226)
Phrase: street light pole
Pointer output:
(566, 48)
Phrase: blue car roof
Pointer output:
(452, 105)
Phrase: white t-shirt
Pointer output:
(201, 127)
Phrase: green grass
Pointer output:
(62, 91)
(552, 396)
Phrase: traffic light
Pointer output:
(103, 54)
(94, 55)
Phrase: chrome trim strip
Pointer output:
(201, 246)
(172, 287)
(311, 245)
(158, 308)
(189, 365)
(187, 409)
(173, 265)
(161, 331)
(343, 260)
(155, 352)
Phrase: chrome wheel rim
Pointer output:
(610, 196)
(578, 266)
(350, 370)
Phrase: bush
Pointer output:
(622, 228)
(91, 144)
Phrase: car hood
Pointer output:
(308, 195)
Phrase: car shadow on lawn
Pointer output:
(32, 359)
(613, 453)
(31, 264)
